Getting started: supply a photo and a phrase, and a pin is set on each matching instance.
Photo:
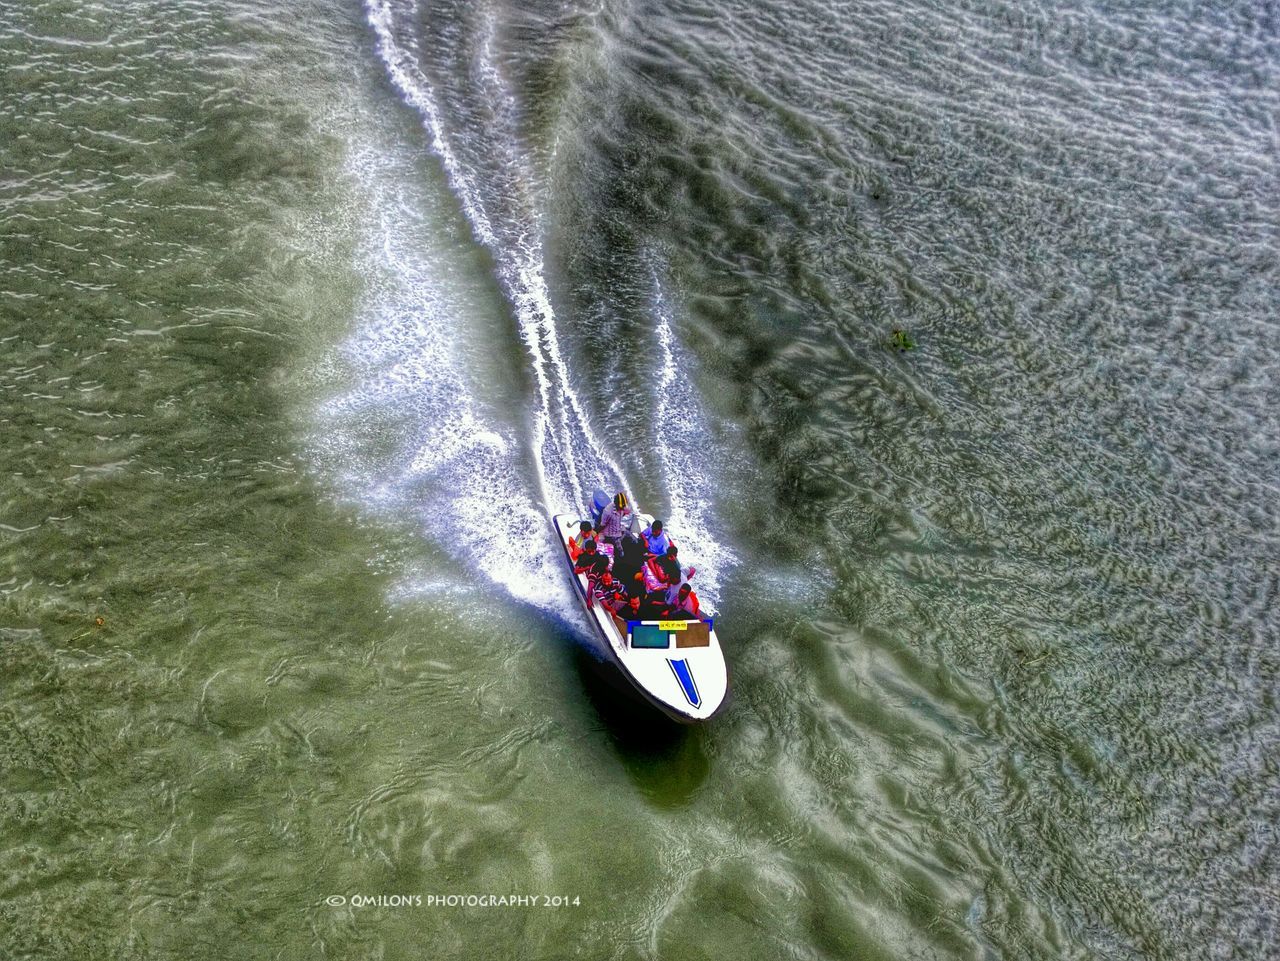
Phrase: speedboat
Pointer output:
(676, 666)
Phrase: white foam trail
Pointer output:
(410, 434)
(407, 346)
(680, 439)
(562, 430)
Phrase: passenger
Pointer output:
(628, 564)
(590, 562)
(667, 569)
(656, 540)
(610, 594)
(684, 601)
(631, 612)
(584, 534)
(615, 521)
(654, 606)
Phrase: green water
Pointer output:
(281, 413)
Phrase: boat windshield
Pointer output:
(659, 634)
(649, 635)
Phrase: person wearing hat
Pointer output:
(615, 520)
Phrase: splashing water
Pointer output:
(455, 458)
(570, 458)
(451, 462)
(679, 441)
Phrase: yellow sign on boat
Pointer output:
(672, 625)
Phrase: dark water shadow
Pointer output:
(666, 760)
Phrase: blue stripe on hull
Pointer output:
(681, 670)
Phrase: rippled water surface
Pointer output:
(311, 312)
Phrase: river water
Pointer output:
(311, 312)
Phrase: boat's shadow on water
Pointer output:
(667, 761)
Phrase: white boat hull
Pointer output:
(686, 683)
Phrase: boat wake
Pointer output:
(428, 427)
(569, 457)
(414, 433)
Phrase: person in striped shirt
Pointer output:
(610, 594)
